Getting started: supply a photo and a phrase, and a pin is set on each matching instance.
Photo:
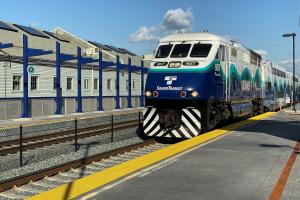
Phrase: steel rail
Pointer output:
(12, 146)
(51, 171)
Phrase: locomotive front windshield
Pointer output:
(163, 51)
(180, 50)
(200, 50)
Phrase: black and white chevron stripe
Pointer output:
(190, 124)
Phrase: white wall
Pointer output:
(45, 81)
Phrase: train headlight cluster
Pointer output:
(174, 64)
(190, 63)
(148, 94)
(159, 64)
(195, 94)
(183, 94)
(155, 94)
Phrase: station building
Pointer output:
(42, 74)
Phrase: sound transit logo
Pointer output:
(170, 79)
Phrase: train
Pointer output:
(198, 81)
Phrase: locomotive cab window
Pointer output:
(163, 51)
(200, 50)
(180, 50)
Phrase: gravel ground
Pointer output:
(60, 153)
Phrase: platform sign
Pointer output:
(31, 69)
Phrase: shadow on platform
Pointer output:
(282, 125)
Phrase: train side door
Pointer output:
(225, 64)
(221, 71)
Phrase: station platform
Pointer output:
(7, 124)
(252, 159)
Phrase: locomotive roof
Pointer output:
(192, 37)
(274, 65)
(204, 36)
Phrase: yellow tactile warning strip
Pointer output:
(88, 183)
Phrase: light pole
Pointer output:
(293, 91)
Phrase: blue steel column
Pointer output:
(129, 84)
(142, 84)
(79, 97)
(117, 82)
(58, 81)
(25, 113)
(100, 97)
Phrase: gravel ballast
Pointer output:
(63, 158)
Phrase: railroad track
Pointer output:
(43, 180)
(13, 146)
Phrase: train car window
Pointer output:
(257, 83)
(233, 52)
(163, 51)
(253, 59)
(180, 50)
(246, 57)
(278, 72)
(200, 50)
(268, 85)
(221, 53)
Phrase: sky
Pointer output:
(139, 24)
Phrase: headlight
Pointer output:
(174, 64)
(183, 94)
(160, 63)
(190, 63)
(195, 94)
(155, 94)
(148, 94)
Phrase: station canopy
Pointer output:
(32, 31)
(7, 27)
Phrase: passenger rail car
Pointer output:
(199, 80)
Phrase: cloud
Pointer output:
(174, 20)
(263, 53)
(232, 38)
(143, 34)
(274, 44)
(33, 24)
(288, 64)
(177, 20)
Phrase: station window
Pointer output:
(34, 82)
(127, 84)
(86, 84)
(116, 84)
(133, 84)
(16, 83)
(69, 83)
(54, 83)
(108, 84)
(96, 84)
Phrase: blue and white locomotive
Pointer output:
(199, 80)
